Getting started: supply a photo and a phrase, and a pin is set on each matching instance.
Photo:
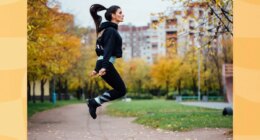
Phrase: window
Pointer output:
(201, 13)
(154, 46)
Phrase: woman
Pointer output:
(109, 47)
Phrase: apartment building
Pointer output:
(182, 28)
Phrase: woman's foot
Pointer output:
(92, 105)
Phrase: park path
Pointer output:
(73, 122)
(213, 105)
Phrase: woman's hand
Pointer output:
(93, 73)
(102, 72)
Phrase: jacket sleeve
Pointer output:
(109, 45)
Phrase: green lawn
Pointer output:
(170, 115)
(38, 106)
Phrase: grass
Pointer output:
(170, 115)
(46, 105)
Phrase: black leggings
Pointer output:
(113, 78)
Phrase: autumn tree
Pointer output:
(52, 48)
(136, 74)
(165, 73)
(212, 30)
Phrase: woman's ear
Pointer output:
(113, 16)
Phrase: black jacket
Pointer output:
(111, 41)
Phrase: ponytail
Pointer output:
(108, 15)
(93, 11)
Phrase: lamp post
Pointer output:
(198, 46)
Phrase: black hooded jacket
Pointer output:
(111, 41)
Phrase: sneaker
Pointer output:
(92, 105)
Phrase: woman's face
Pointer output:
(118, 16)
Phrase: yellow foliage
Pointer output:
(52, 48)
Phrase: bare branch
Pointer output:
(220, 19)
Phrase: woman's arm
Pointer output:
(109, 37)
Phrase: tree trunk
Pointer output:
(92, 89)
(140, 86)
(51, 89)
(78, 93)
(167, 86)
(29, 97)
(220, 83)
(207, 87)
(34, 101)
(194, 85)
(158, 91)
(210, 85)
(66, 90)
(59, 88)
(96, 88)
(87, 91)
(219, 76)
(206, 80)
(179, 87)
(43, 81)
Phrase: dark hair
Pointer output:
(108, 15)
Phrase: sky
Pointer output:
(137, 12)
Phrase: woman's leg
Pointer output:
(113, 78)
(115, 81)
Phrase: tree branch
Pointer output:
(220, 19)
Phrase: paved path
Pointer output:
(73, 122)
(214, 105)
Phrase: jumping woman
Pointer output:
(108, 48)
